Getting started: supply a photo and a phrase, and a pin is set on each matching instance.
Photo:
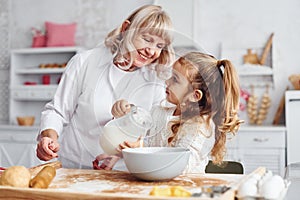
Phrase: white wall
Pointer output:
(216, 21)
(94, 18)
(251, 22)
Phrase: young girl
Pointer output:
(205, 92)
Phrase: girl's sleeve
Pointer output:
(199, 141)
(59, 111)
(154, 137)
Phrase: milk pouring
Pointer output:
(126, 128)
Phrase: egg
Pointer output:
(256, 176)
(264, 178)
(272, 187)
(252, 180)
(248, 188)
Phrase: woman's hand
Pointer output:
(48, 145)
(108, 161)
(120, 108)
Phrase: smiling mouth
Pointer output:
(143, 57)
(167, 91)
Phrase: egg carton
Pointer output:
(263, 187)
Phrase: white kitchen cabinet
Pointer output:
(256, 146)
(30, 99)
(292, 115)
(18, 146)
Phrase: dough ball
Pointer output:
(16, 176)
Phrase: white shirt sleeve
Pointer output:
(59, 111)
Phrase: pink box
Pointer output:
(38, 41)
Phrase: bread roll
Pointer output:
(16, 176)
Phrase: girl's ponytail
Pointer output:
(231, 94)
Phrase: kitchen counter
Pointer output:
(17, 127)
(81, 184)
(99, 184)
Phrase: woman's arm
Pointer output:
(60, 110)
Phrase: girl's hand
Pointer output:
(107, 161)
(120, 108)
(126, 144)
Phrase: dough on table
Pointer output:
(16, 176)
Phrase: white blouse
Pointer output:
(82, 104)
(196, 136)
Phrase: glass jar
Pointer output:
(129, 127)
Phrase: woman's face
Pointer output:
(148, 49)
(177, 85)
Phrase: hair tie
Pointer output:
(220, 63)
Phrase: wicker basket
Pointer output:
(25, 120)
(295, 80)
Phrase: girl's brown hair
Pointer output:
(218, 81)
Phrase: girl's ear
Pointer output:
(195, 96)
(125, 25)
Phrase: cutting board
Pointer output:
(99, 184)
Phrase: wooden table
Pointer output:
(98, 184)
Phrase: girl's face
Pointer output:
(177, 86)
(148, 49)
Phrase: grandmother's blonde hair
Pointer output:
(149, 19)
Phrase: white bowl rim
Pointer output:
(156, 150)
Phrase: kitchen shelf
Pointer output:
(33, 92)
(47, 50)
(254, 70)
(35, 70)
(250, 74)
(30, 99)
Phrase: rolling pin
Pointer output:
(43, 178)
(266, 50)
(36, 169)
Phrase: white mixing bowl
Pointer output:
(156, 163)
